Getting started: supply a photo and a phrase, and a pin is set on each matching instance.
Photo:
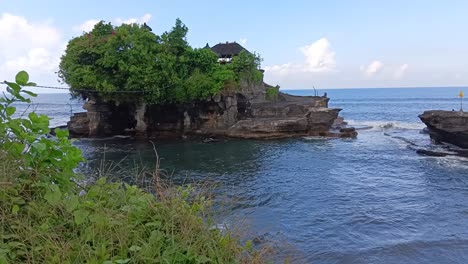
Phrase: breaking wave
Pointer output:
(385, 125)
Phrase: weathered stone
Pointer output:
(78, 126)
(217, 98)
(102, 119)
(339, 123)
(347, 130)
(447, 126)
(246, 114)
(140, 128)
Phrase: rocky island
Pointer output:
(139, 84)
(447, 126)
(247, 113)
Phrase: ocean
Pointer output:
(372, 199)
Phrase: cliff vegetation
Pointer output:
(151, 68)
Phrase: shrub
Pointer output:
(272, 93)
(42, 161)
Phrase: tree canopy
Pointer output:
(165, 68)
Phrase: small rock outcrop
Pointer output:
(447, 126)
(247, 113)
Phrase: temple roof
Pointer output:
(228, 49)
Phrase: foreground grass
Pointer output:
(109, 223)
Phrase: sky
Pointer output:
(326, 44)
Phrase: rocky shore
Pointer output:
(250, 112)
(447, 126)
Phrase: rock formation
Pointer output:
(247, 113)
(447, 126)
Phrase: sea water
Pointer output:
(372, 199)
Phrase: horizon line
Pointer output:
(344, 88)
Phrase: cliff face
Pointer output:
(447, 126)
(245, 114)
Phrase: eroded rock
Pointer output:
(447, 126)
(246, 113)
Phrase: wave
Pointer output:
(386, 125)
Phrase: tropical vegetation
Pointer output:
(155, 68)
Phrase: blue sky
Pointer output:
(329, 44)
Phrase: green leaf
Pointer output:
(39, 146)
(22, 78)
(44, 227)
(61, 133)
(13, 86)
(53, 195)
(10, 110)
(72, 203)
(30, 84)
(26, 123)
(15, 209)
(134, 248)
(19, 97)
(248, 245)
(14, 148)
(29, 93)
(80, 216)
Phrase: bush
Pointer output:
(46, 216)
(246, 66)
(42, 161)
(111, 223)
(272, 93)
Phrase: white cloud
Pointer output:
(145, 18)
(373, 68)
(317, 65)
(318, 58)
(86, 26)
(89, 24)
(282, 70)
(30, 46)
(243, 41)
(400, 72)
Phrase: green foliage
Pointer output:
(47, 217)
(246, 66)
(109, 59)
(272, 93)
(110, 223)
(132, 58)
(43, 161)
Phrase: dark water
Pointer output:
(365, 200)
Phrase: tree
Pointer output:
(155, 69)
(112, 59)
(247, 66)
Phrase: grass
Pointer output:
(111, 223)
(272, 93)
